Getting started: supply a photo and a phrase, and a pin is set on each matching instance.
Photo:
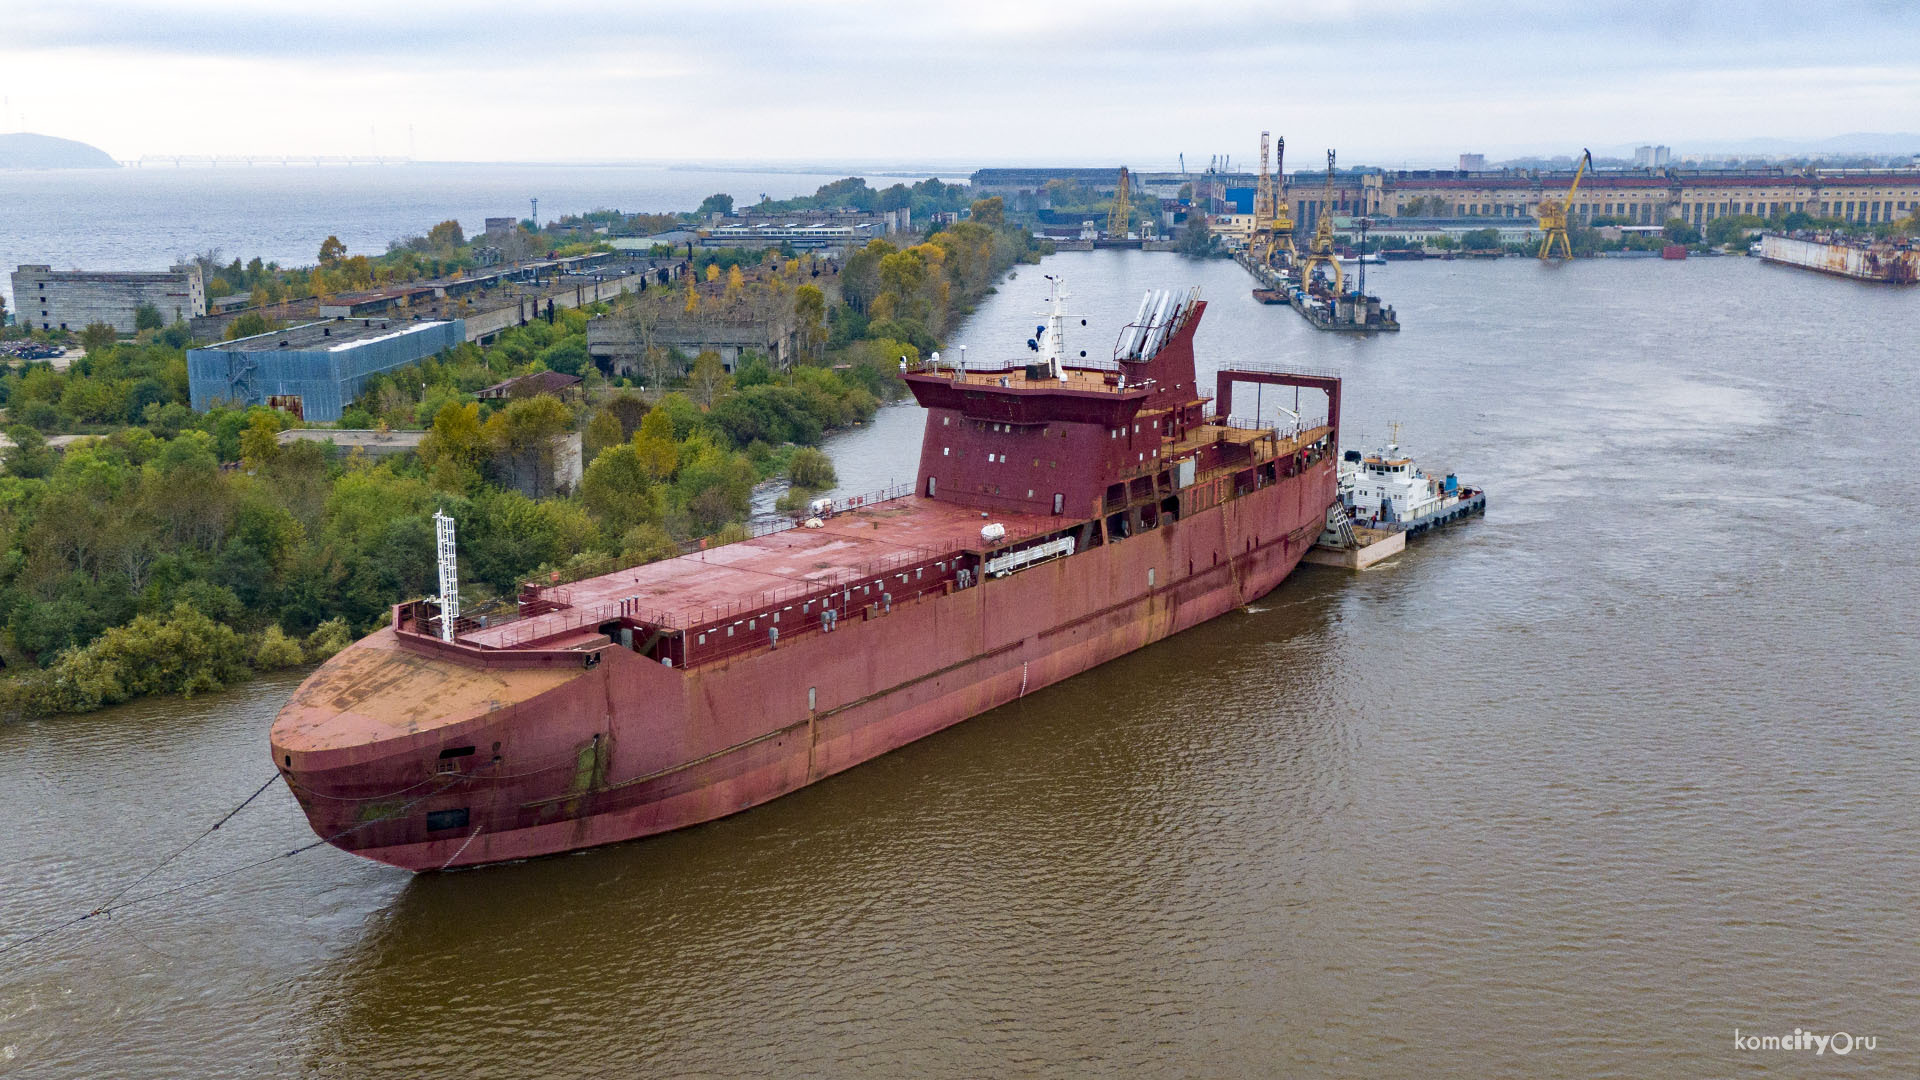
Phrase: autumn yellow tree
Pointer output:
(659, 452)
(736, 283)
(456, 447)
(709, 377)
(260, 442)
(810, 311)
(713, 272)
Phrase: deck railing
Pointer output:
(534, 625)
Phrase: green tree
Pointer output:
(860, 275)
(603, 430)
(1679, 232)
(276, 650)
(810, 468)
(629, 409)
(567, 356)
(1196, 238)
(447, 234)
(332, 250)
(1480, 239)
(618, 490)
(183, 652)
(147, 317)
(247, 324)
(718, 203)
(991, 212)
(29, 456)
(98, 337)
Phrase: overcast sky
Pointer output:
(1387, 81)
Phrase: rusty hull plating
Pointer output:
(677, 692)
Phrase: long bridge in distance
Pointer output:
(216, 160)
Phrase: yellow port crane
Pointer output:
(1553, 213)
(1279, 217)
(1320, 248)
(1118, 215)
(1261, 240)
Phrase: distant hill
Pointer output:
(22, 150)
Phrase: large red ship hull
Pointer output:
(566, 759)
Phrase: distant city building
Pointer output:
(50, 299)
(315, 369)
(498, 228)
(1473, 163)
(1697, 196)
(1652, 157)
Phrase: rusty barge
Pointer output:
(1063, 515)
(1889, 262)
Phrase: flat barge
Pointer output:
(1893, 264)
(1063, 515)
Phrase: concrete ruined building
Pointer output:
(49, 299)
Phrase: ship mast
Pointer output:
(449, 575)
(1053, 347)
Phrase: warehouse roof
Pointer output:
(328, 334)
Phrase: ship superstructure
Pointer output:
(1065, 513)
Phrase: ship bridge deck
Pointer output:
(1093, 380)
(751, 575)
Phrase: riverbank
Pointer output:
(119, 591)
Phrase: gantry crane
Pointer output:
(1118, 217)
(1320, 248)
(1553, 213)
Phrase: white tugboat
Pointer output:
(1385, 498)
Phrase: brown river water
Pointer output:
(1578, 789)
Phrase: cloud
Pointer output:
(991, 80)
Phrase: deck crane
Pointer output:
(1118, 216)
(1320, 248)
(1553, 213)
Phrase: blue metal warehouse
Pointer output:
(317, 367)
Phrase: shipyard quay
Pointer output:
(1645, 196)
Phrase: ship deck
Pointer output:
(707, 586)
(1091, 380)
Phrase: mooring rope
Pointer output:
(107, 906)
(116, 901)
